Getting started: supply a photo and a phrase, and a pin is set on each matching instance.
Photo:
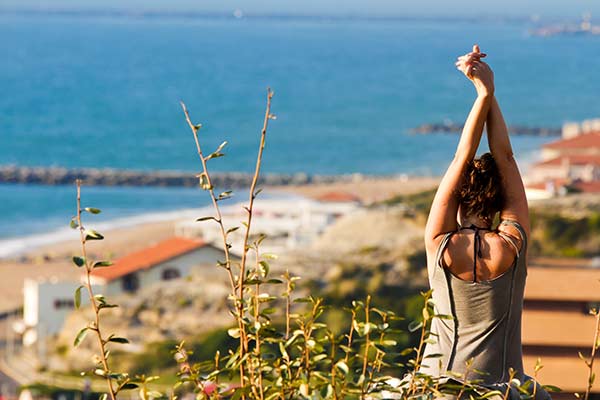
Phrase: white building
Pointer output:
(48, 302)
(288, 223)
(170, 259)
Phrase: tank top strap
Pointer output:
(522, 233)
(476, 246)
(442, 247)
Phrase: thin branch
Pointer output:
(226, 245)
(592, 355)
(88, 286)
(252, 196)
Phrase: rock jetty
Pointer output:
(452, 127)
(119, 177)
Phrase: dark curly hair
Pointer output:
(481, 192)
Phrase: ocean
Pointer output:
(104, 91)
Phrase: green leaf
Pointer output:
(129, 385)
(283, 351)
(214, 155)
(116, 339)
(491, 394)
(204, 183)
(78, 296)
(235, 228)
(103, 396)
(221, 146)
(91, 234)
(407, 351)
(73, 223)
(80, 336)
(264, 268)
(551, 388)
(201, 219)
(92, 210)
(342, 366)
(79, 261)
(101, 264)
(225, 195)
(415, 325)
(234, 332)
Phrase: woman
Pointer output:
(477, 273)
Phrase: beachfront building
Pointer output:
(557, 324)
(47, 302)
(173, 258)
(288, 222)
(569, 164)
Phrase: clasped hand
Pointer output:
(477, 71)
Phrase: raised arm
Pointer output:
(515, 202)
(443, 215)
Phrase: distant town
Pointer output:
(584, 27)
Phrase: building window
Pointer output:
(63, 303)
(131, 283)
(170, 273)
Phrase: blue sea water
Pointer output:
(84, 91)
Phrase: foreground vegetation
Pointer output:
(282, 345)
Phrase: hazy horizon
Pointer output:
(431, 8)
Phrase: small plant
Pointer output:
(115, 381)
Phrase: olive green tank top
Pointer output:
(486, 318)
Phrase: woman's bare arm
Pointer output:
(515, 206)
(442, 217)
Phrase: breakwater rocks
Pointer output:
(118, 177)
(451, 127)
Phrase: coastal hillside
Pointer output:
(369, 251)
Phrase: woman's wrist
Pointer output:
(485, 93)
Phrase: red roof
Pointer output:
(148, 257)
(585, 140)
(338, 197)
(579, 159)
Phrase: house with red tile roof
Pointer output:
(48, 302)
(170, 259)
(568, 164)
(338, 197)
(587, 143)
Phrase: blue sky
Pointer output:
(549, 8)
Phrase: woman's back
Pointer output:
(486, 313)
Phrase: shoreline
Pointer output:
(55, 241)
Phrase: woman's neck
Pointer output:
(475, 221)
